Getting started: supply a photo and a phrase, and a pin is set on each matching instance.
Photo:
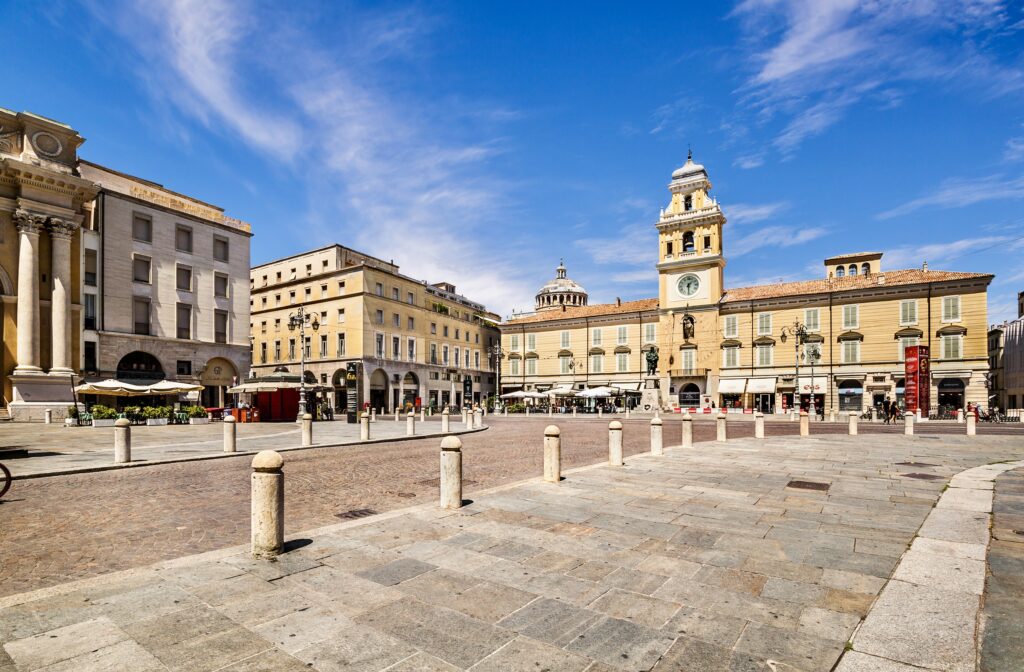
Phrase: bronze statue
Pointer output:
(652, 361)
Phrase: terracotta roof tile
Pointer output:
(911, 276)
(594, 310)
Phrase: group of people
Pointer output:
(890, 411)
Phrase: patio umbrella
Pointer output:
(172, 387)
(114, 388)
(518, 394)
(596, 393)
(562, 391)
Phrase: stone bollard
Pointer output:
(373, 415)
(451, 473)
(960, 416)
(615, 443)
(463, 411)
(687, 430)
(972, 426)
(397, 414)
(122, 441)
(467, 419)
(574, 411)
(445, 420)
(831, 415)
(792, 415)
(722, 434)
(527, 410)
(874, 414)
(552, 454)
(627, 413)
(600, 413)
(267, 504)
(307, 430)
(551, 411)
(805, 424)
(423, 414)
(657, 444)
(853, 424)
(759, 425)
(504, 411)
(410, 424)
(478, 419)
(48, 416)
(908, 424)
(230, 432)
(917, 413)
(364, 426)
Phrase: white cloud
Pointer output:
(627, 249)
(749, 161)
(936, 254)
(774, 236)
(746, 213)
(648, 275)
(960, 192)
(1014, 149)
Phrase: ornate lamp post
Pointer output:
(799, 333)
(497, 353)
(298, 320)
(813, 354)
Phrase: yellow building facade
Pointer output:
(837, 342)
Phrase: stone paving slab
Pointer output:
(702, 559)
(1002, 645)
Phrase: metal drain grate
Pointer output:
(436, 482)
(923, 477)
(809, 485)
(915, 464)
(355, 513)
(406, 495)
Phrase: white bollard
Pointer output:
(960, 416)
(759, 425)
(478, 419)
(551, 411)
(853, 424)
(364, 426)
(687, 430)
(230, 427)
(467, 419)
(874, 414)
(445, 426)
(307, 430)
(423, 414)
(918, 414)
(805, 424)
(122, 441)
(527, 410)
(627, 413)
(908, 424)
(463, 411)
(792, 415)
(657, 444)
(373, 415)
(615, 443)
(552, 454)
(397, 413)
(831, 415)
(410, 424)
(267, 504)
(574, 411)
(722, 434)
(48, 416)
(504, 412)
(972, 426)
(451, 473)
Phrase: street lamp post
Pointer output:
(298, 320)
(496, 352)
(799, 333)
(813, 353)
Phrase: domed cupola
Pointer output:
(560, 292)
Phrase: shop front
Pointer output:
(689, 396)
(730, 392)
(951, 394)
(812, 388)
(762, 392)
(851, 396)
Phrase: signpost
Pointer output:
(467, 391)
(351, 393)
(917, 380)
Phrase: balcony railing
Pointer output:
(688, 373)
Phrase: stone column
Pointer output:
(657, 444)
(759, 425)
(687, 430)
(721, 427)
(307, 430)
(908, 424)
(28, 290)
(267, 504)
(445, 420)
(364, 426)
(410, 424)
(230, 427)
(478, 419)
(972, 428)
(60, 301)
(853, 424)
(615, 443)
(451, 472)
(122, 441)
(552, 454)
(805, 424)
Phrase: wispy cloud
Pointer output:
(749, 161)
(960, 192)
(913, 256)
(769, 237)
(1014, 149)
(747, 213)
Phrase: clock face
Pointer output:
(688, 285)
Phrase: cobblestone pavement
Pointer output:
(1003, 627)
(62, 528)
(748, 555)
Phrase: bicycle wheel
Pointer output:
(5, 483)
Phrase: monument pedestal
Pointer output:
(650, 394)
(34, 393)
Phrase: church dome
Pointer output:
(561, 291)
(689, 168)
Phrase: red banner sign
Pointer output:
(917, 379)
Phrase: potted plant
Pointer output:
(103, 416)
(71, 419)
(197, 415)
(155, 416)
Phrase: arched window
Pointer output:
(865, 268)
(853, 269)
(688, 203)
(840, 271)
(688, 241)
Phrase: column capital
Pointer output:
(28, 221)
(62, 229)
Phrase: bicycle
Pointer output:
(5, 480)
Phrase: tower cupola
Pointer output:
(561, 291)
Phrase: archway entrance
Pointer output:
(378, 389)
(951, 394)
(140, 367)
(410, 390)
(218, 375)
(689, 396)
(340, 391)
(851, 396)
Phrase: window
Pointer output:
(90, 357)
(650, 330)
(410, 350)
(621, 335)
(840, 272)
(732, 328)
(951, 309)
(309, 269)
(513, 367)
(410, 323)
(220, 285)
(341, 316)
(263, 353)
(323, 345)
(466, 356)
(688, 202)
(341, 287)
(433, 353)
(379, 289)
(595, 337)
(184, 320)
(183, 239)
(564, 364)
(396, 347)
(277, 351)
(764, 355)
(596, 363)
(141, 269)
(90, 268)
(410, 298)
(904, 343)
(908, 311)
(307, 347)
(184, 278)
(851, 316)
(291, 297)
(446, 331)
(396, 320)
(340, 346)
(812, 319)
(220, 326)
(513, 342)
(476, 359)
(183, 367)
(707, 243)
(277, 299)
(687, 357)
(564, 340)
(142, 228)
(764, 324)
(309, 293)
(291, 348)
(277, 324)
(89, 308)
(379, 345)
(730, 356)
(444, 355)
(668, 249)
(456, 333)
(457, 360)
(263, 327)
(952, 346)
(852, 270)
(688, 242)
(531, 366)
(220, 248)
(433, 328)
(621, 362)
(380, 317)
(531, 342)
(851, 352)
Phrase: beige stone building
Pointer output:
(413, 342)
(838, 340)
(1006, 360)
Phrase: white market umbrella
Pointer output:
(113, 388)
(535, 395)
(562, 391)
(172, 387)
(518, 394)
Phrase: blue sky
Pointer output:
(478, 142)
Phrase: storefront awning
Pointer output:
(761, 385)
(820, 385)
(731, 385)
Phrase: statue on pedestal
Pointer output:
(652, 361)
